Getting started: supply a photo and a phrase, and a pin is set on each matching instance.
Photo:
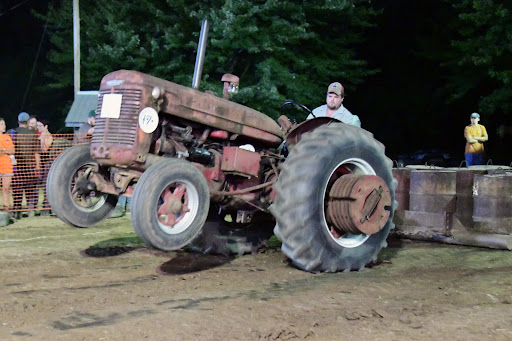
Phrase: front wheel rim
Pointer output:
(85, 200)
(177, 207)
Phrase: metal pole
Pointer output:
(76, 45)
(201, 48)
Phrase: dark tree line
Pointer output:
(281, 50)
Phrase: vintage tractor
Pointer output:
(189, 158)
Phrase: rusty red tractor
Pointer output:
(189, 158)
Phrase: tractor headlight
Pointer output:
(156, 92)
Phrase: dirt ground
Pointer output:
(51, 290)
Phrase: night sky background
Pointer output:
(402, 105)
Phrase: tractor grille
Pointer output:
(122, 130)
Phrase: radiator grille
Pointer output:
(122, 130)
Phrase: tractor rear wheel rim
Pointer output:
(354, 166)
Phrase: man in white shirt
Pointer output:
(334, 107)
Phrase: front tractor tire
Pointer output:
(71, 195)
(334, 200)
(170, 204)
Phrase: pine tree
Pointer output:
(281, 50)
(484, 54)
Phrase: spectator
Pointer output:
(28, 167)
(45, 137)
(475, 135)
(334, 107)
(32, 123)
(46, 140)
(84, 133)
(123, 207)
(6, 165)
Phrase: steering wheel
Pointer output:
(301, 106)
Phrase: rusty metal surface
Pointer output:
(240, 161)
(491, 168)
(425, 167)
(118, 141)
(422, 224)
(493, 203)
(179, 122)
(492, 196)
(174, 206)
(295, 135)
(204, 108)
(403, 178)
(357, 204)
(123, 130)
(433, 191)
(482, 201)
(490, 240)
(464, 192)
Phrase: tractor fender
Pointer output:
(295, 135)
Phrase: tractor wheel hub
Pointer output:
(358, 204)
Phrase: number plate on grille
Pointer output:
(111, 107)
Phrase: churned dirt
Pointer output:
(51, 289)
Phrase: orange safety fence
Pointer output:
(33, 158)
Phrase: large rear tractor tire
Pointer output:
(334, 200)
(71, 195)
(170, 204)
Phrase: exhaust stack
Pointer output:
(201, 48)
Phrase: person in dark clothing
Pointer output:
(28, 165)
(84, 133)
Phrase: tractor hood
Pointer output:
(197, 106)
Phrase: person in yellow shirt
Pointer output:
(475, 135)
